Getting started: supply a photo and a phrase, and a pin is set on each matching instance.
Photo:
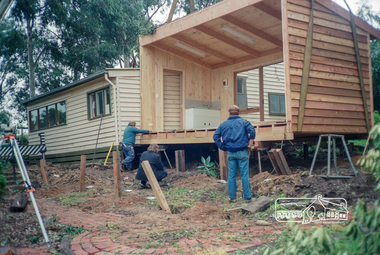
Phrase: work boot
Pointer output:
(143, 186)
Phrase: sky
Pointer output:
(354, 6)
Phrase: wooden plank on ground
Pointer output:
(283, 160)
(155, 186)
(257, 205)
(279, 162)
(274, 161)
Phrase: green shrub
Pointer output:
(3, 181)
(362, 233)
(208, 167)
(376, 117)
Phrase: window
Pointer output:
(241, 89)
(276, 104)
(48, 116)
(99, 103)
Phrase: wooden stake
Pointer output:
(116, 173)
(43, 171)
(223, 165)
(155, 186)
(180, 160)
(82, 172)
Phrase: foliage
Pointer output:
(208, 167)
(307, 242)
(5, 117)
(367, 13)
(376, 117)
(363, 233)
(47, 44)
(184, 5)
(74, 231)
(3, 181)
(371, 161)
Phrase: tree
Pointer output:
(365, 11)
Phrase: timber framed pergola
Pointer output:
(328, 82)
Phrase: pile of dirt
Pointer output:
(301, 184)
(204, 212)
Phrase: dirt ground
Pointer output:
(196, 200)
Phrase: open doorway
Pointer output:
(265, 84)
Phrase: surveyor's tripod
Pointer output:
(11, 138)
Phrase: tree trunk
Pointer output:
(191, 6)
(31, 64)
(172, 9)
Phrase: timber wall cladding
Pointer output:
(334, 103)
(79, 133)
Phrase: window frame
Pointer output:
(95, 93)
(38, 122)
(244, 91)
(270, 112)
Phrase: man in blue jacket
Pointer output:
(235, 135)
(129, 139)
(154, 159)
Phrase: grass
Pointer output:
(72, 199)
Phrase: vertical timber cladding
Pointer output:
(334, 103)
(172, 101)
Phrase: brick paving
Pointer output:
(101, 240)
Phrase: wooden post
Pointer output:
(82, 172)
(223, 165)
(43, 171)
(180, 160)
(116, 173)
(261, 93)
(155, 186)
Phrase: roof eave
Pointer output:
(66, 87)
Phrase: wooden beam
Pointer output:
(181, 54)
(203, 48)
(228, 40)
(306, 70)
(268, 10)
(251, 29)
(250, 110)
(155, 186)
(197, 18)
(357, 54)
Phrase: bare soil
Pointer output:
(206, 204)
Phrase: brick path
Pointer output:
(102, 240)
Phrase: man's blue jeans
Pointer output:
(235, 159)
(129, 155)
